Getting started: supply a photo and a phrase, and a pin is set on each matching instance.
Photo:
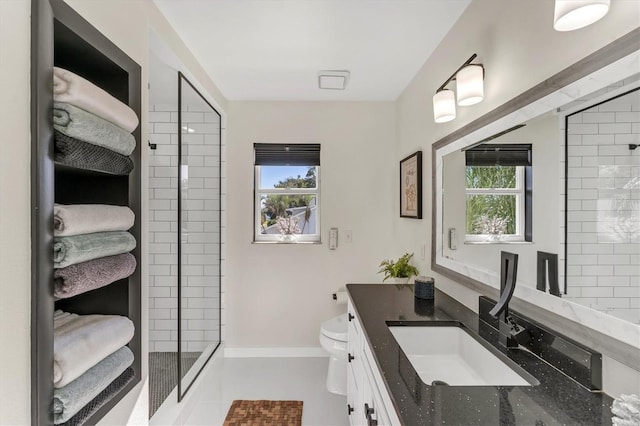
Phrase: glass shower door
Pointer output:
(199, 176)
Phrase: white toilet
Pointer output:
(333, 338)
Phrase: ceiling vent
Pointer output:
(333, 80)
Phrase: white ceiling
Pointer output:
(273, 49)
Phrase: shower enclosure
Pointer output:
(184, 233)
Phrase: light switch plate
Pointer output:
(333, 238)
(453, 239)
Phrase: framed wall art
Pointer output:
(411, 186)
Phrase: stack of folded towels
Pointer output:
(626, 410)
(91, 247)
(90, 357)
(91, 361)
(92, 128)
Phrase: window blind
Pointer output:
(499, 155)
(279, 154)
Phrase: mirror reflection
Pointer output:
(511, 188)
(484, 206)
(603, 206)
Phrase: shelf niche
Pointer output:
(61, 37)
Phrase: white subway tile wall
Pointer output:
(201, 277)
(603, 209)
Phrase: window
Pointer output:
(498, 193)
(287, 192)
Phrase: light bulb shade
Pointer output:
(574, 14)
(470, 85)
(444, 106)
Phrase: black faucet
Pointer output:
(511, 334)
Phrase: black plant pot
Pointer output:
(424, 288)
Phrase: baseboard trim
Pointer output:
(309, 352)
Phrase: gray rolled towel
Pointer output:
(87, 127)
(81, 248)
(69, 399)
(103, 397)
(93, 274)
(76, 219)
(82, 155)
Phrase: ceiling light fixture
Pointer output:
(470, 90)
(333, 80)
(571, 15)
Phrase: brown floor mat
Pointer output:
(264, 413)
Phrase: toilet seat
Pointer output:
(335, 328)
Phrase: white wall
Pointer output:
(15, 220)
(277, 295)
(519, 48)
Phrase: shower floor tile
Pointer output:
(163, 375)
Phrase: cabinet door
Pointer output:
(386, 414)
(372, 403)
(354, 398)
(355, 373)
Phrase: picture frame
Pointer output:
(411, 186)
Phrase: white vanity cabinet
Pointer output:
(368, 402)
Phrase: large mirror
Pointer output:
(556, 171)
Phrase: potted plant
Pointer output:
(400, 270)
(288, 227)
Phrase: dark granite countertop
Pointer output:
(556, 400)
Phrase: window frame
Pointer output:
(258, 236)
(523, 211)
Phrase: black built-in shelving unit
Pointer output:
(61, 37)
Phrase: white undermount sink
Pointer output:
(449, 354)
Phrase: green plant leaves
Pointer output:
(400, 268)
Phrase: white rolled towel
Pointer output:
(616, 421)
(82, 341)
(76, 219)
(626, 410)
(75, 90)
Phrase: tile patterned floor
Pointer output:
(163, 375)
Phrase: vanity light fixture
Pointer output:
(444, 106)
(470, 90)
(571, 15)
(470, 85)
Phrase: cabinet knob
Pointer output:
(350, 316)
(349, 409)
(350, 357)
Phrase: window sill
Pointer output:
(288, 242)
(496, 242)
